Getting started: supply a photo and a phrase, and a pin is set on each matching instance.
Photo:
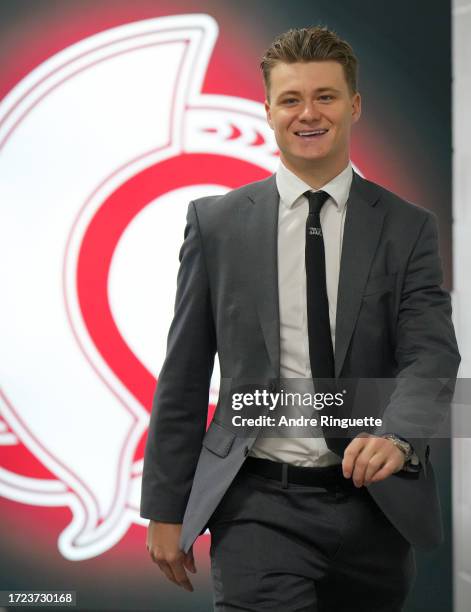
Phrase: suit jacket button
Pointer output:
(246, 451)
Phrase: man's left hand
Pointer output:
(370, 459)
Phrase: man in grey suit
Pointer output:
(316, 522)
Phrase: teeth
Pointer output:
(312, 133)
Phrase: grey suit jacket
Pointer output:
(393, 321)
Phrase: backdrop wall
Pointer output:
(113, 115)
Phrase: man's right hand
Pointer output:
(163, 546)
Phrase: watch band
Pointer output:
(401, 444)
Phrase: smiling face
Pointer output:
(311, 111)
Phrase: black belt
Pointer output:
(286, 473)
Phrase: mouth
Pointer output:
(311, 134)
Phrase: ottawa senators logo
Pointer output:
(101, 149)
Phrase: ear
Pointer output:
(356, 107)
(268, 112)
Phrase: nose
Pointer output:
(309, 112)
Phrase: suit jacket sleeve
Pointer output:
(180, 406)
(426, 350)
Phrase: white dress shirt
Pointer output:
(294, 340)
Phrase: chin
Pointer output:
(303, 158)
(312, 158)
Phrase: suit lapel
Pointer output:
(362, 231)
(260, 231)
(363, 224)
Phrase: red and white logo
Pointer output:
(101, 149)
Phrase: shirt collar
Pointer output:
(291, 187)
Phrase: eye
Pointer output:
(289, 101)
(326, 97)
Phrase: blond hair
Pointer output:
(313, 44)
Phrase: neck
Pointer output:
(315, 173)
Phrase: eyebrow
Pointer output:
(318, 90)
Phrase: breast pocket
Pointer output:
(380, 284)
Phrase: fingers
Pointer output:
(166, 569)
(163, 546)
(351, 453)
(189, 561)
(375, 464)
(172, 566)
(385, 472)
(361, 466)
(370, 459)
(180, 574)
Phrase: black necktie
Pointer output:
(321, 353)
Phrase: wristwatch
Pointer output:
(402, 445)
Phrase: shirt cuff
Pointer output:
(413, 465)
